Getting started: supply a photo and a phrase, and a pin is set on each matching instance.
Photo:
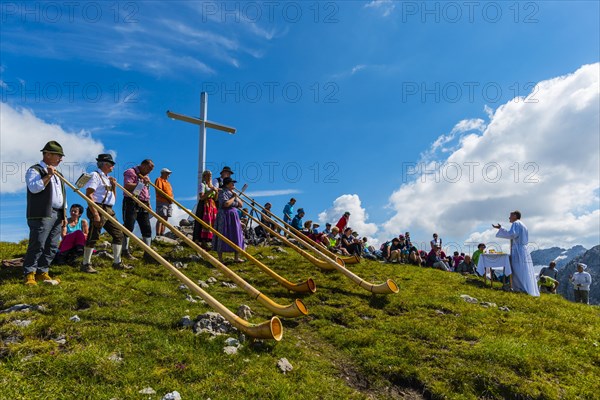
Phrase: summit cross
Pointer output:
(203, 123)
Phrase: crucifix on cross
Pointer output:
(203, 125)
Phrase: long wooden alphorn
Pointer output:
(293, 310)
(308, 286)
(271, 329)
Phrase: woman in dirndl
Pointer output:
(228, 221)
(206, 210)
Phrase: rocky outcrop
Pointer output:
(561, 256)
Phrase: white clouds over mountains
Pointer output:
(540, 155)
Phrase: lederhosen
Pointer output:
(110, 227)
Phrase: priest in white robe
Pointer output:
(523, 275)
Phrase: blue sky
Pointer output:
(335, 103)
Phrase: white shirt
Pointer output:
(101, 184)
(35, 184)
(582, 280)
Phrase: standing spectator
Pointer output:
(101, 189)
(478, 252)
(466, 266)
(404, 249)
(265, 217)
(436, 241)
(523, 276)
(74, 233)
(550, 271)
(408, 241)
(135, 181)
(581, 281)
(288, 211)
(164, 205)
(343, 222)
(206, 210)
(297, 221)
(228, 221)
(226, 172)
(46, 204)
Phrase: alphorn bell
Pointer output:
(293, 310)
(388, 287)
(271, 329)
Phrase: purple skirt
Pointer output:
(228, 224)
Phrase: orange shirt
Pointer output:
(165, 186)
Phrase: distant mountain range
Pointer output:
(592, 259)
(561, 256)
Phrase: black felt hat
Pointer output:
(105, 158)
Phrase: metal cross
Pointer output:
(203, 125)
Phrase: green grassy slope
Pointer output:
(424, 341)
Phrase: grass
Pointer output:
(424, 342)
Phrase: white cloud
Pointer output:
(164, 42)
(24, 134)
(357, 68)
(358, 215)
(540, 157)
(386, 6)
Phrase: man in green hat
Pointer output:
(46, 204)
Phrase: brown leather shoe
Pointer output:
(122, 266)
(88, 269)
(128, 256)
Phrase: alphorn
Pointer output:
(389, 286)
(299, 235)
(303, 287)
(271, 329)
(312, 259)
(296, 309)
